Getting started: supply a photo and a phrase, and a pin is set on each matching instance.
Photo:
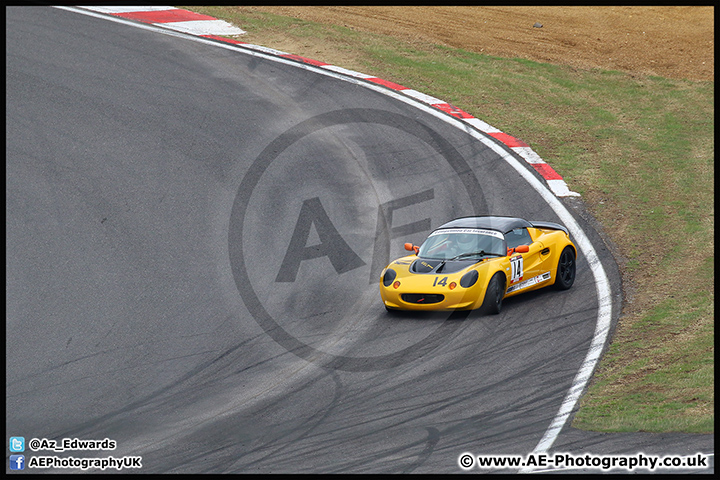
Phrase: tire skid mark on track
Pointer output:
(184, 21)
(209, 27)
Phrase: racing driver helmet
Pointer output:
(466, 241)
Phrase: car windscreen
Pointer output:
(467, 243)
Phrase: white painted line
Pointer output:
(602, 283)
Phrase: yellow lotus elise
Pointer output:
(476, 262)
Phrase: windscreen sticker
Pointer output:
(476, 231)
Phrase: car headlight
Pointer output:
(469, 279)
(388, 277)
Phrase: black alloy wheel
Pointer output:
(494, 295)
(565, 274)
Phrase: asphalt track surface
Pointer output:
(155, 185)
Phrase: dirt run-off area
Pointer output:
(672, 42)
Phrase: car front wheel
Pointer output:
(494, 295)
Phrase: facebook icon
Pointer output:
(17, 462)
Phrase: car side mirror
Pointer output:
(412, 248)
(518, 249)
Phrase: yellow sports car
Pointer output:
(476, 262)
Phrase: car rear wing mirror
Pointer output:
(412, 248)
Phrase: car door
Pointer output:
(528, 270)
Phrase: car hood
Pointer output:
(425, 265)
(414, 265)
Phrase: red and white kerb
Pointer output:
(206, 26)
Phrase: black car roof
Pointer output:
(503, 224)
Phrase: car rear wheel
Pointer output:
(565, 274)
(492, 304)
